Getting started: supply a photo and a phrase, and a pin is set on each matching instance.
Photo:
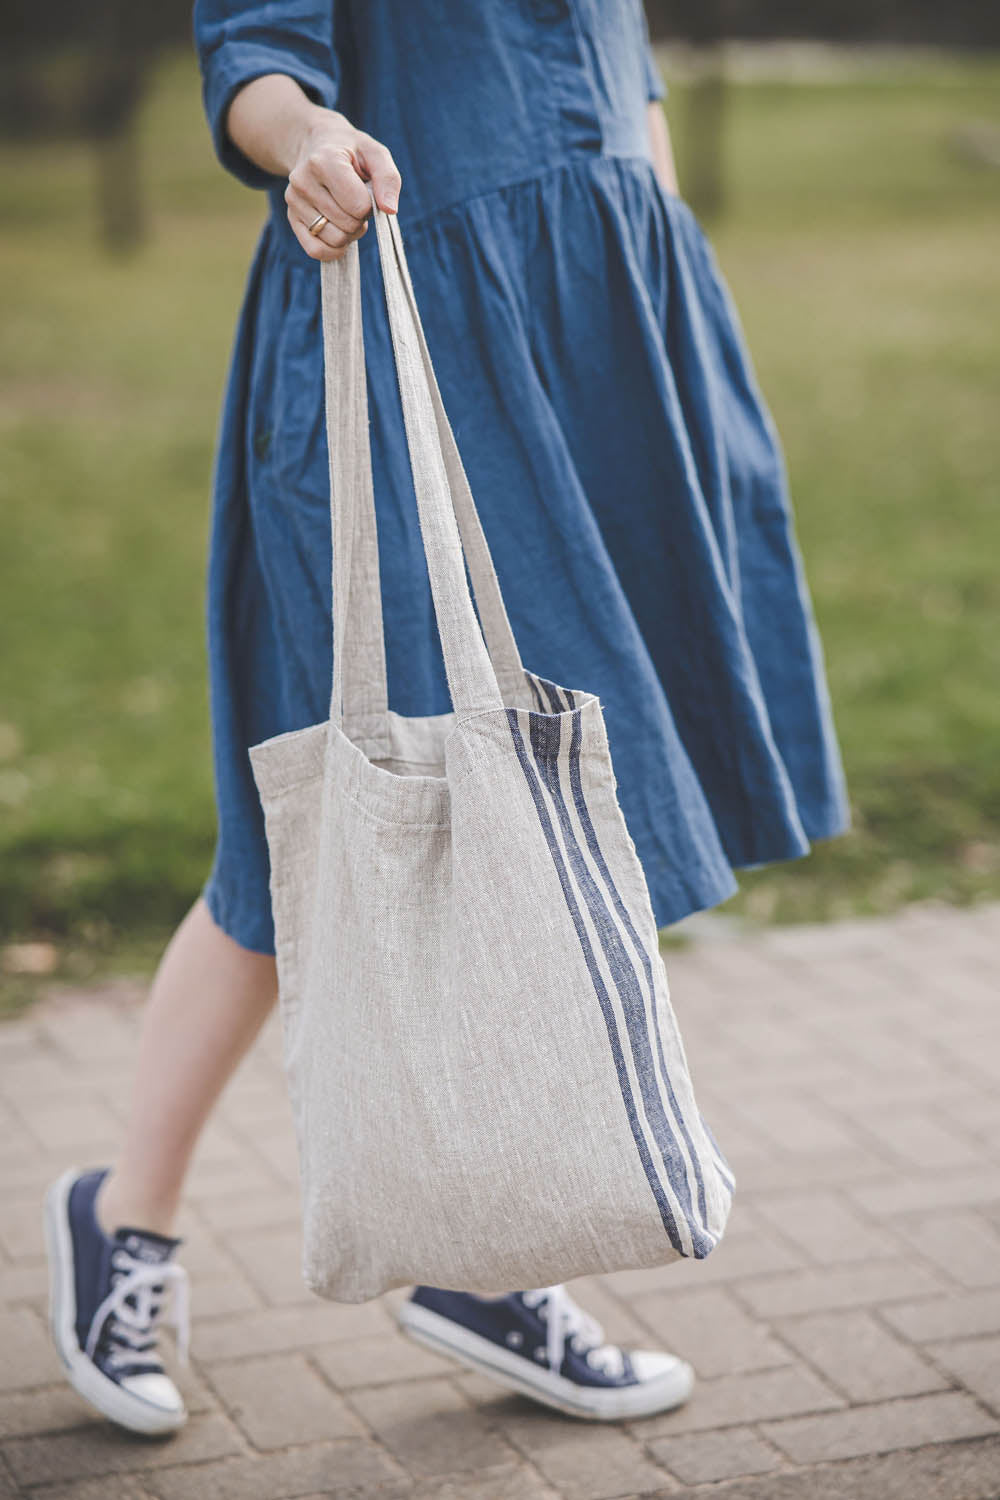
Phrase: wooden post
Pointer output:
(704, 171)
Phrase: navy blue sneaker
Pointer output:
(106, 1297)
(543, 1345)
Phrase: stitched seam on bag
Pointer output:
(366, 811)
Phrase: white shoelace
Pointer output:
(146, 1283)
(564, 1319)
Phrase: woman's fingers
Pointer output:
(315, 197)
(329, 176)
(326, 181)
(332, 178)
(330, 241)
(377, 163)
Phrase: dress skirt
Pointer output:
(632, 490)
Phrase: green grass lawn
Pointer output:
(861, 243)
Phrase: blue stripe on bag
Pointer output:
(652, 1176)
(534, 688)
(552, 693)
(545, 742)
(580, 802)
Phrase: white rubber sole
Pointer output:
(111, 1400)
(515, 1373)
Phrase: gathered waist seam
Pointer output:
(412, 227)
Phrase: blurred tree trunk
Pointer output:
(117, 69)
(121, 206)
(704, 173)
(707, 109)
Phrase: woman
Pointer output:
(632, 492)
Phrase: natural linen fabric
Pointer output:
(488, 1084)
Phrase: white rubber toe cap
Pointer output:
(159, 1392)
(650, 1364)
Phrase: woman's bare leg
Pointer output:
(208, 1001)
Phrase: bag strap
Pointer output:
(491, 609)
(359, 698)
(450, 527)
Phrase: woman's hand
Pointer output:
(327, 161)
(330, 177)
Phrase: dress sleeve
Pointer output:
(239, 40)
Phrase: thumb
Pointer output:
(376, 160)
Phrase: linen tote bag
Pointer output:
(487, 1082)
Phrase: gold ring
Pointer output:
(316, 227)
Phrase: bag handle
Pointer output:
(492, 611)
(450, 527)
(359, 697)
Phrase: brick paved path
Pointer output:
(846, 1334)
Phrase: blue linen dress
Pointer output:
(627, 473)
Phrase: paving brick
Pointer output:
(906, 1079)
(38, 1073)
(255, 1102)
(110, 1487)
(827, 1228)
(24, 1167)
(963, 1244)
(859, 1357)
(734, 1400)
(774, 1171)
(919, 1139)
(86, 1452)
(975, 1364)
(277, 1329)
(430, 1428)
(945, 1317)
(911, 1423)
(959, 1471)
(281, 1154)
(738, 1255)
(900, 1195)
(509, 1482)
(28, 1355)
(710, 1330)
(224, 1189)
(48, 1409)
(219, 1143)
(700, 1458)
(197, 1395)
(233, 1213)
(976, 1111)
(21, 1233)
(216, 1296)
(203, 1256)
(794, 1125)
(351, 1468)
(582, 1462)
(839, 1286)
(86, 1031)
(8, 1489)
(378, 1361)
(23, 1283)
(20, 1037)
(613, 1313)
(273, 1261)
(772, 1039)
(280, 1400)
